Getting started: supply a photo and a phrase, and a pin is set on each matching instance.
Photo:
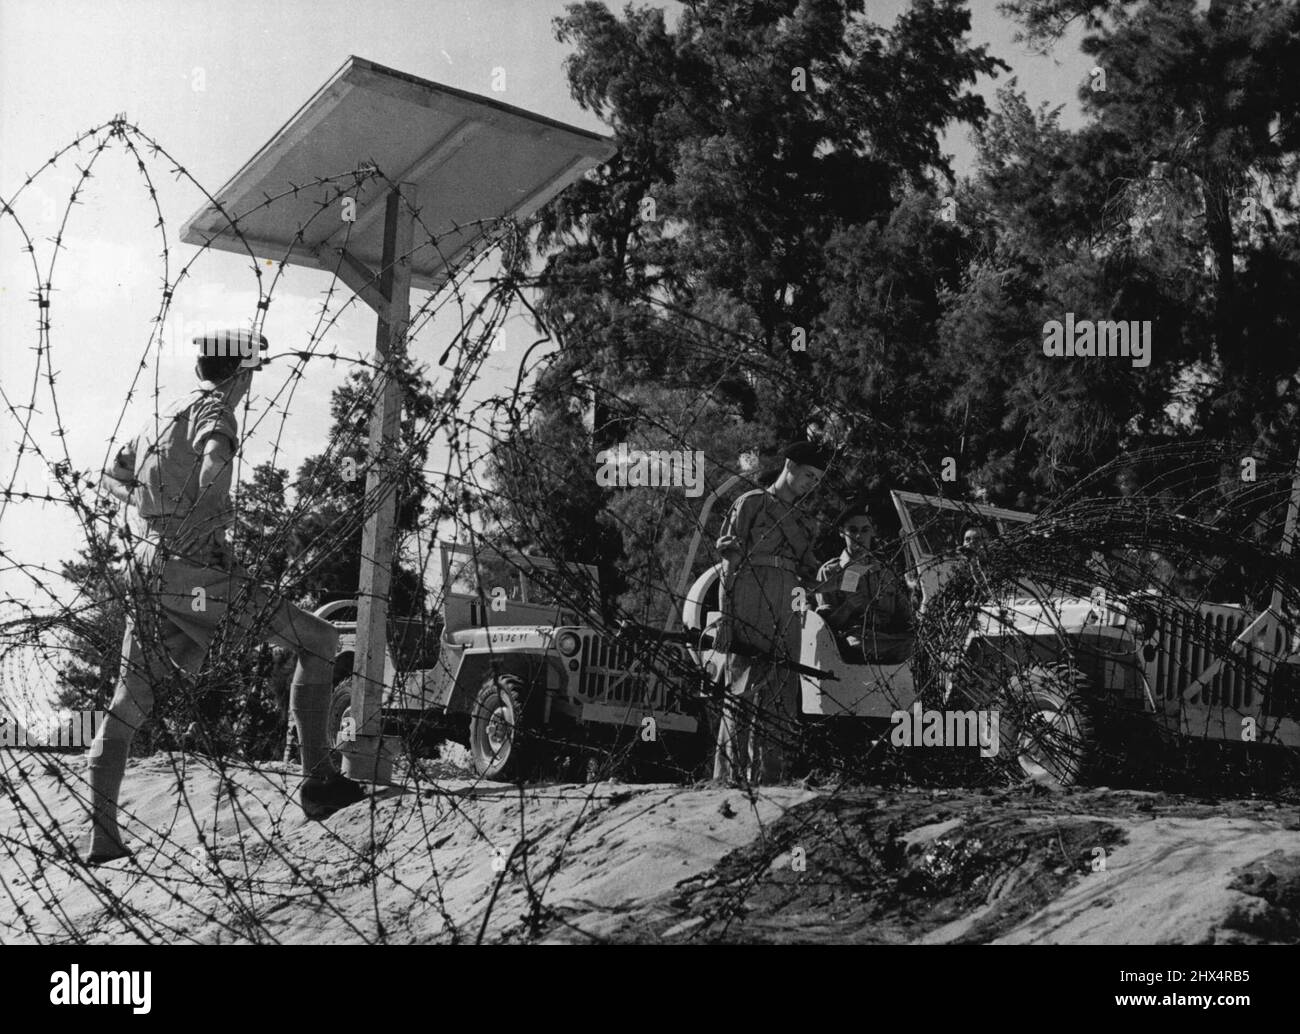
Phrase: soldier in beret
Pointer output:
(864, 602)
(766, 548)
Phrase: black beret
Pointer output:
(808, 454)
(856, 508)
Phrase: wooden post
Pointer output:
(378, 541)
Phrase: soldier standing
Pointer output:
(766, 546)
(186, 584)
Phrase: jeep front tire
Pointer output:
(1048, 724)
(498, 729)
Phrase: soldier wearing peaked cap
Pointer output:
(766, 548)
(186, 584)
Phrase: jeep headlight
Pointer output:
(568, 643)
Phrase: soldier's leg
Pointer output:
(142, 667)
(259, 615)
(778, 703)
(731, 756)
(723, 767)
(740, 602)
(776, 726)
(764, 746)
(255, 614)
(250, 613)
(315, 641)
(763, 600)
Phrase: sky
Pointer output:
(211, 83)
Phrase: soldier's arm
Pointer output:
(216, 469)
(214, 434)
(733, 543)
(827, 582)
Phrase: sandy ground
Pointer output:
(441, 858)
(420, 862)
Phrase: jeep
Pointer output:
(1069, 675)
(516, 674)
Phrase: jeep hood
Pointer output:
(504, 636)
(1028, 616)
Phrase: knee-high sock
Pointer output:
(309, 702)
(105, 770)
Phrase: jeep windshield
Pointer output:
(487, 572)
(932, 529)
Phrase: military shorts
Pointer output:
(180, 605)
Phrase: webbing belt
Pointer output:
(771, 560)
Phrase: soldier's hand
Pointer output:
(729, 546)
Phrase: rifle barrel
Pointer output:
(707, 642)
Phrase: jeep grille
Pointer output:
(1190, 643)
(612, 674)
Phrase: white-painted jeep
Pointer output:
(1066, 675)
(514, 674)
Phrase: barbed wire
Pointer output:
(225, 857)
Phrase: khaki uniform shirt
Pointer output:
(879, 595)
(166, 457)
(775, 544)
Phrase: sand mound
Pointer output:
(232, 859)
(227, 857)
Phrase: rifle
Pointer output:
(703, 641)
